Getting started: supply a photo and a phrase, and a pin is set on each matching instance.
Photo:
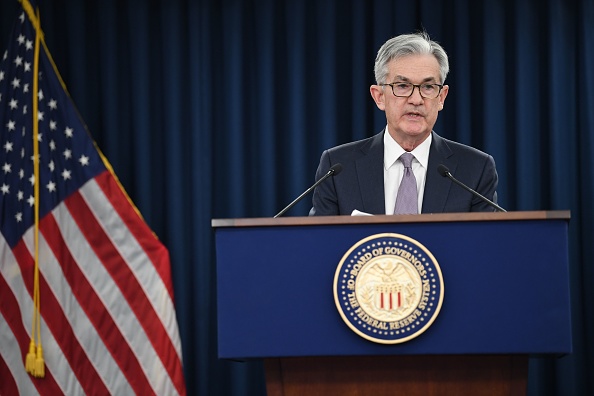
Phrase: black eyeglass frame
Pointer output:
(413, 89)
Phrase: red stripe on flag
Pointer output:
(9, 306)
(59, 325)
(7, 384)
(129, 286)
(96, 312)
(157, 253)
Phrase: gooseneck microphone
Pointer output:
(445, 172)
(333, 171)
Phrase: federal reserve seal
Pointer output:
(388, 288)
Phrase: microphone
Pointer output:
(333, 171)
(445, 172)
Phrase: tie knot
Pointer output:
(406, 159)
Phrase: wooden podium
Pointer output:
(506, 297)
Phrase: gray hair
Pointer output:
(409, 44)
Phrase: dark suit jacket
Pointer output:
(360, 184)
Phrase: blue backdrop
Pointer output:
(221, 109)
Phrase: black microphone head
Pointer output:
(443, 170)
(336, 169)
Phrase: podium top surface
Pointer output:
(382, 219)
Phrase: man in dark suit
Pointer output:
(410, 71)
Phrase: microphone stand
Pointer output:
(334, 170)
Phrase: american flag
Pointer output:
(108, 323)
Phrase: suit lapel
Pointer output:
(370, 171)
(436, 186)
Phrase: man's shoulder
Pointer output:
(455, 147)
(362, 145)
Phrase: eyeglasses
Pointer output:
(404, 89)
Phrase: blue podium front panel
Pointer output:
(506, 289)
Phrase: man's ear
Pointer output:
(442, 96)
(377, 93)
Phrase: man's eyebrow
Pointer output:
(406, 79)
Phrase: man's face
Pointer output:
(410, 119)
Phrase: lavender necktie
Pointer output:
(407, 200)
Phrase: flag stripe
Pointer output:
(138, 228)
(11, 351)
(114, 303)
(55, 361)
(141, 266)
(80, 325)
(94, 309)
(128, 284)
(59, 326)
(19, 341)
(100, 198)
(85, 330)
(7, 385)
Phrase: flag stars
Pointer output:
(66, 174)
(51, 186)
(84, 160)
(59, 157)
